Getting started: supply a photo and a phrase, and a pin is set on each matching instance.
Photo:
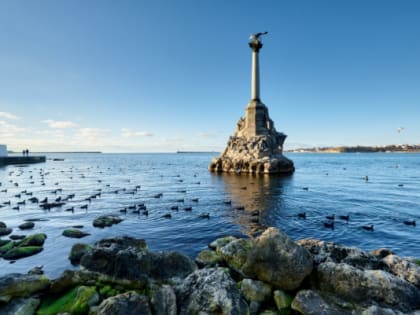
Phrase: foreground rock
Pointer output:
(210, 291)
(277, 260)
(19, 285)
(267, 275)
(128, 258)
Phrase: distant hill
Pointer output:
(362, 149)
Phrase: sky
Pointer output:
(162, 76)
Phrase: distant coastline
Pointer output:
(60, 152)
(402, 148)
(186, 152)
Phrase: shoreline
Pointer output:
(269, 274)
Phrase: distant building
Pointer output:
(3, 150)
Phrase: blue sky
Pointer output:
(153, 76)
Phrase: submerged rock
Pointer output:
(106, 221)
(27, 226)
(21, 252)
(33, 240)
(21, 285)
(210, 291)
(74, 233)
(129, 303)
(5, 231)
(277, 260)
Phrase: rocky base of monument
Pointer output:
(270, 274)
(256, 155)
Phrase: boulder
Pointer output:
(236, 253)
(164, 301)
(22, 252)
(74, 233)
(2, 224)
(404, 269)
(208, 258)
(127, 258)
(330, 252)
(255, 291)
(129, 303)
(283, 300)
(277, 260)
(220, 242)
(6, 247)
(77, 251)
(308, 302)
(106, 221)
(27, 226)
(21, 285)
(16, 237)
(381, 252)
(365, 286)
(20, 306)
(210, 291)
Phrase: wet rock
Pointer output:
(255, 291)
(210, 291)
(2, 224)
(277, 260)
(381, 252)
(20, 306)
(129, 303)
(21, 252)
(5, 231)
(106, 221)
(127, 258)
(220, 242)
(164, 301)
(37, 270)
(308, 302)
(74, 233)
(365, 286)
(283, 300)
(330, 252)
(8, 245)
(21, 285)
(77, 251)
(235, 253)
(208, 258)
(27, 226)
(375, 310)
(76, 301)
(15, 237)
(33, 240)
(403, 269)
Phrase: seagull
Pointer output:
(400, 129)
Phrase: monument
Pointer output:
(256, 146)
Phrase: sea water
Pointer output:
(323, 185)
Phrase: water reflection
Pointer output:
(253, 199)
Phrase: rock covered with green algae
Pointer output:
(77, 301)
(20, 285)
(77, 251)
(30, 245)
(106, 221)
(74, 233)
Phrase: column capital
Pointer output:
(255, 45)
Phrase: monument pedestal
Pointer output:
(256, 147)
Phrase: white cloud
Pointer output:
(8, 130)
(57, 124)
(10, 116)
(92, 135)
(127, 133)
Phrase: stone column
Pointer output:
(255, 45)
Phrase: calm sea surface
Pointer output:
(323, 184)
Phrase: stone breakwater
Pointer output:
(269, 274)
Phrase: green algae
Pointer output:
(21, 252)
(76, 302)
